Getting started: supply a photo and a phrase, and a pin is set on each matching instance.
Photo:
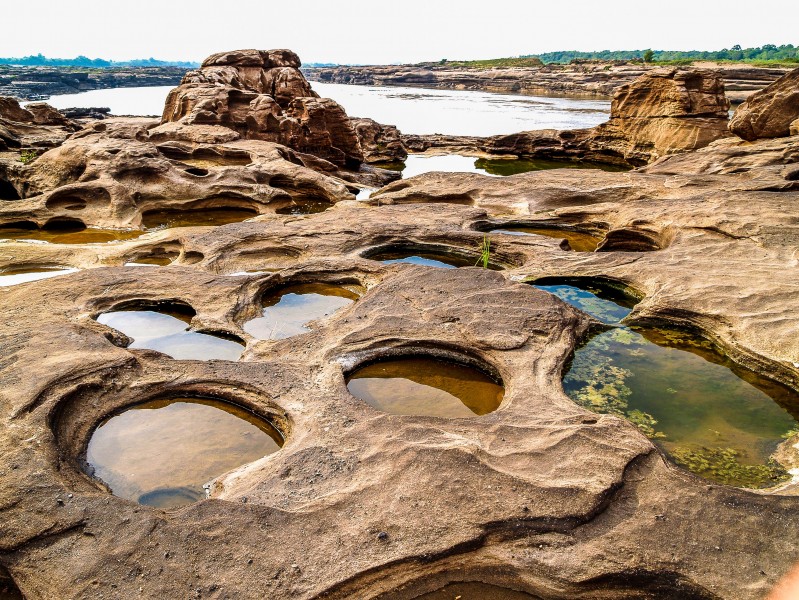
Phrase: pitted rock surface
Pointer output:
(540, 496)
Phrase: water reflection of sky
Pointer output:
(456, 112)
(413, 110)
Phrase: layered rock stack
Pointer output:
(664, 112)
(262, 95)
(770, 113)
(38, 126)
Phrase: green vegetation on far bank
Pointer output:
(39, 60)
(766, 55)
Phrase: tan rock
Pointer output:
(794, 128)
(263, 95)
(769, 112)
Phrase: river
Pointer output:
(413, 110)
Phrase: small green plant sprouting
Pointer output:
(485, 253)
(28, 156)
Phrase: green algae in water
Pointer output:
(683, 395)
(505, 167)
(606, 303)
(709, 415)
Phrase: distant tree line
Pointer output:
(97, 63)
(767, 52)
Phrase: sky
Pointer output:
(377, 32)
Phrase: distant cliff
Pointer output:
(587, 78)
(38, 83)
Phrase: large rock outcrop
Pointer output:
(261, 94)
(36, 126)
(770, 112)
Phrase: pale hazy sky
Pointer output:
(386, 32)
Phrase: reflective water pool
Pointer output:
(287, 312)
(161, 453)
(425, 386)
(710, 415)
(169, 334)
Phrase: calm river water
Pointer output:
(413, 110)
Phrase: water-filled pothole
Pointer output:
(67, 232)
(710, 415)
(303, 206)
(578, 241)
(430, 256)
(471, 590)
(161, 453)
(167, 330)
(426, 386)
(288, 311)
(416, 164)
(15, 276)
(196, 217)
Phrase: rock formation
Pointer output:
(541, 496)
(591, 79)
(36, 83)
(35, 127)
(262, 95)
(770, 112)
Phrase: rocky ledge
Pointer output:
(540, 499)
(581, 79)
(37, 83)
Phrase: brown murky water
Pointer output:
(287, 312)
(88, 235)
(425, 386)
(578, 241)
(200, 217)
(475, 591)
(161, 453)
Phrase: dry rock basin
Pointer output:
(224, 377)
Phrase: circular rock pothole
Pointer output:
(420, 385)
(161, 453)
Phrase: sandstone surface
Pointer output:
(35, 127)
(541, 496)
(770, 112)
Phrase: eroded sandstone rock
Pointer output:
(769, 112)
(263, 95)
(36, 127)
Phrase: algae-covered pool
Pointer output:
(709, 414)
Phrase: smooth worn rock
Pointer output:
(540, 496)
(769, 112)
(379, 143)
